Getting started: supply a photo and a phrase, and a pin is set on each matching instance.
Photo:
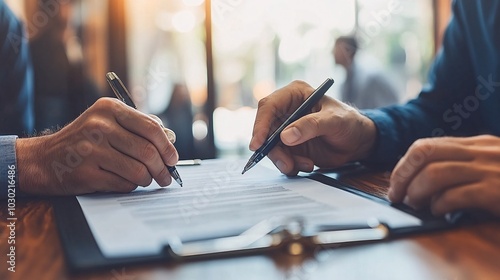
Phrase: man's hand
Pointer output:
(110, 147)
(333, 134)
(448, 174)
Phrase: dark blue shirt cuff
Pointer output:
(385, 150)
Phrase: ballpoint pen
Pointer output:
(122, 94)
(274, 138)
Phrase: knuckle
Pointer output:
(422, 146)
(106, 102)
(101, 124)
(155, 128)
(299, 83)
(418, 145)
(148, 153)
(263, 101)
(314, 122)
(141, 176)
(430, 173)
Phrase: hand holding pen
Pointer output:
(329, 135)
(122, 94)
(274, 138)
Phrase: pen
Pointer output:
(300, 112)
(122, 93)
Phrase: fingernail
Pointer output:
(170, 135)
(291, 135)
(281, 165)
(303, 166)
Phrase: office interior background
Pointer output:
(202, 66)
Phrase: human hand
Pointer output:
(110, 147)
(448, 174)
(333, 134)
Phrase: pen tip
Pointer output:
(179, 181)
(243, 172)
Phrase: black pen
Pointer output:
(275, 136)
(122, 93)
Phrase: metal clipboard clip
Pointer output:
(289, 234)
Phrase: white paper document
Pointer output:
(217, 200)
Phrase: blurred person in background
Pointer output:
(62, 88)
(178, 116)
(365, 86)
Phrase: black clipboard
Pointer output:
(83, 254)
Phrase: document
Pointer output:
(217, 200)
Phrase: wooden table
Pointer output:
(465, 253)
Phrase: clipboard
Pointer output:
(83, 254)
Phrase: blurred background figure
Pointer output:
(178, 116)
(62, 88)
(365, 86)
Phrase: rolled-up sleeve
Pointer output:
(8, 163)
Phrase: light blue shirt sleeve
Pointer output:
(8, 166)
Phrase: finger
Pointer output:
(109, 182)
(465, 197)
(275, 108)
(170, 133)
(143, 151)
(151, 130)
(438, 177)
(305, 129)
(283, 160)
(126, 167)
(156, 118)
(172, 137)
(420, 154)
(303, 164)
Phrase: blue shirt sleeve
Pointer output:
(16, 77)
(451, 79)
(8, 166)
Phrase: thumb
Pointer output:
(304, 129)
